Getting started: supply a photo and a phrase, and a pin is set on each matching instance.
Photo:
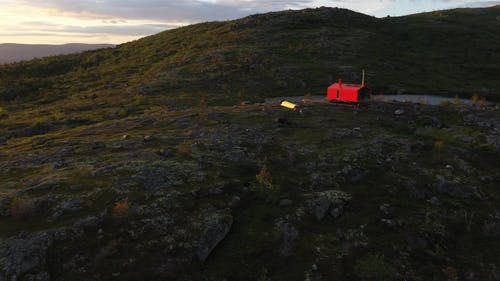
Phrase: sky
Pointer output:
(119, 21)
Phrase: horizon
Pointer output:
(89, 22)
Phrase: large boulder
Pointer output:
(215, 227)
(26, 257)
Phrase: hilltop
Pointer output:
(10, 53)
(449, 52)
(160, 160)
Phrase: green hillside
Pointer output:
(285, 53)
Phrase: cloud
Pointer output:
(479, 4)
(189, 11)
(182, 11)
(111, 29)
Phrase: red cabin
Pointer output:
(347, 92)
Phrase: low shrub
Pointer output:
(375, 267)
(20, 208)
(450, 273)
(121, 208)
(265, 188)
(185, 147)
(264, 177)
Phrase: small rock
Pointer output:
(430, 121)
(70, 206)
(148, 138)
(337, 212)
(316, 180)
(386, 209)
(318, 207)
(314, 267)
(389, 222)
(98, 145)
(215, 191)
(60, 164)
(491, 228)
(356, 175)
(451, 188)
(195, 192)
(43, 276)
(467, 139)
(285, 202)
(434, 201)
(290, 237)
(304, 111)
(283, 121)
(90, 222)
(166, 152)
(235, 201)
(486, 179)
(470, 276)
(399, 112)
(125, 137)
(320, 203)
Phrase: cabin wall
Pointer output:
(331, 93)
(349, 95)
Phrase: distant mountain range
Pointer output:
(19, 52)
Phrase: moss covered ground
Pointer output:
(424, 194)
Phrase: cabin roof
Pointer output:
(349, 86)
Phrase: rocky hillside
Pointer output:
(140, 163)
(10, 53)
(255, 192)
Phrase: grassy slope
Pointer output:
(286, 53)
